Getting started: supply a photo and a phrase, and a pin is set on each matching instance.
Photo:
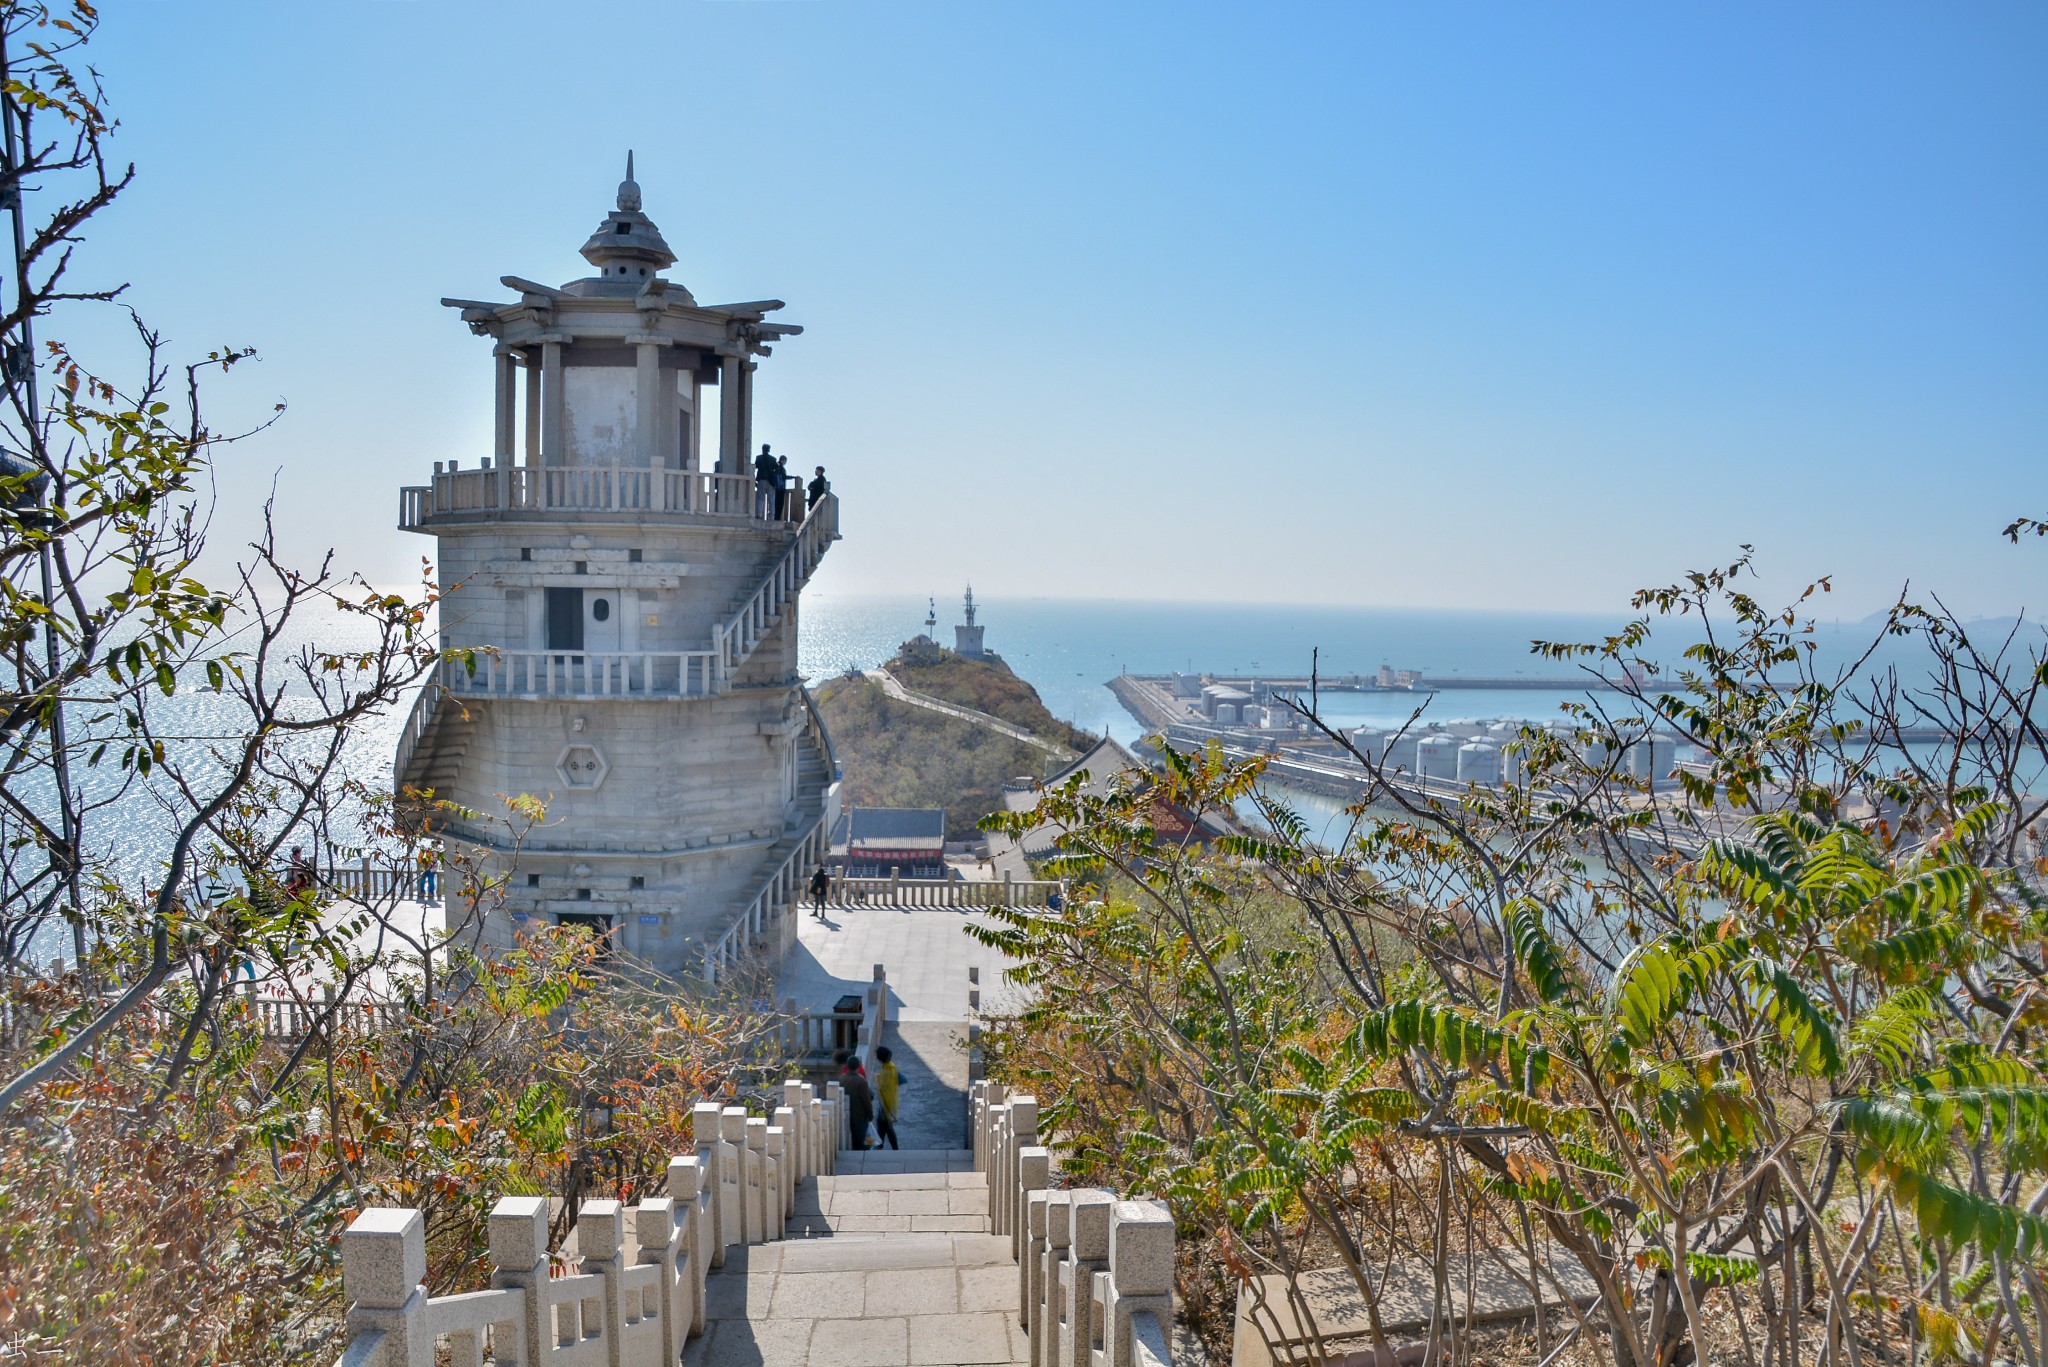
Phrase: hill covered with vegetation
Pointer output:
(896, 754)
(987, 686)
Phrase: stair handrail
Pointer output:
(824, 735)
(820, 529)
(415, 729)
(783, 881)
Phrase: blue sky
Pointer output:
(1501, 306)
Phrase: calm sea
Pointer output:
(1068, 650)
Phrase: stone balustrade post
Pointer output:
(601, 1243)
(662, 1244)
(693, 1220)
(1023, 1132)
(1034, 1175)
(733, 1132)
(785, 1147)
(758, 1198)
(1140, 1276)
(1031, 1267)
(835, 1120)
(1087, 1254)
(818, 1134)
(1044, 1335)
(796, 1096)
(774, 1181)
(998, 1134)
(719, 1159)
(519, 1257)
(383, 1263)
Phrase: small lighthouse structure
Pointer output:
(967, 635)
(623, 589)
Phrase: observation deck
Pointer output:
(634, 493)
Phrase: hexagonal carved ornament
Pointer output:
(582, 766)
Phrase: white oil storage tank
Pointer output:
(1400, 753)
(1226, 714)
(1514, 762)
(1479, 762)
(1369, 741)
(1437, 756)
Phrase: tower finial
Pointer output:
(629, 189)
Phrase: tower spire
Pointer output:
(627, 248)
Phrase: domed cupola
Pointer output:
(627, 247)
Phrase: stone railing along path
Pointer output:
(823, 1257)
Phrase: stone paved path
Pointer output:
(888, 1263)
(928, 953)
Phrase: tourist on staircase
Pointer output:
(887, 1081)
(860, 1102)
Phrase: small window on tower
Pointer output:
(533, 880)
(624, 228)
(632, 557)
(583, 567)
(583, 894)
(639, 881)
(526, 552)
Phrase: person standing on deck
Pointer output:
(821, 884)
(766, 475)
(887, 1080)
(819, 488)
(860, 1102)
(782, 488)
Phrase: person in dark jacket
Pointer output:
(782, 488)
(767, 475)
(821, 884)
(819, 488)
(860, 1101)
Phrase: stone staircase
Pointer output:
(885, 1259)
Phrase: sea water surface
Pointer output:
(1068, 650)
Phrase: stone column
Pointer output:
(732, 454)
(507, 406)
(553, 412)
(746, 413)
(532, 421)
(647, 403)
(776, 1186)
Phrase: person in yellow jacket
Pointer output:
(887, 1079)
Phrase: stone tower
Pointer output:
(631, 601)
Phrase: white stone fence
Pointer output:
(942, 893)
(626, 1290)
(587, 488)
(1094, 1273)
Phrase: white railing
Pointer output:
(290, 1020)
(634, 1289)
(585, 674)
(943, 893)
(776, 899)
(736, 639)
(594, 489)
(1094, 1273)
(409, 737)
